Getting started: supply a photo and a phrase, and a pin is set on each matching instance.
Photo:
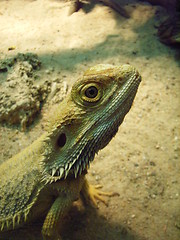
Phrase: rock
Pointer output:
(20, 96)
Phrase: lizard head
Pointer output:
(88, 118)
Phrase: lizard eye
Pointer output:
(91, 92)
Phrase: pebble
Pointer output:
(176, 138)
(177, 195)
(153, 196)
(97, 177)
(157, 146)
(47, 71)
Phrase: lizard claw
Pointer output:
(93, 194)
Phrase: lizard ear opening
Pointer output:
(61, 140)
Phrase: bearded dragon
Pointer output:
(49, 175)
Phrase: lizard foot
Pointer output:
(92, 194)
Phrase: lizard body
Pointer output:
(49, 175)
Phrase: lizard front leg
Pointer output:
(57, 211)
(90, 194)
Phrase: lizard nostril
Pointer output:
(61, 141)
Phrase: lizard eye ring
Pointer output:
(91, 93)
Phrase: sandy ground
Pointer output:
(142, 162)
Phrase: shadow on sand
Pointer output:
(78, 225)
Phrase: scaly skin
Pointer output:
(49, 175)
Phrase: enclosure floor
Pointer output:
(142, 162)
